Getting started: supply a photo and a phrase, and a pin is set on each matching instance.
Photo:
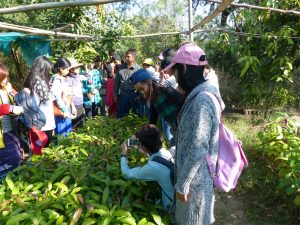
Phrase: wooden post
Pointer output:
(16, 60)
(244, 5)
(51, 5)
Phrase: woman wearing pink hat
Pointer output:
(197, 136)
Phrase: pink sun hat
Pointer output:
(161, 56)
(188, 54)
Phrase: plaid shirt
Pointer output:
(92, 82)
(166, 105)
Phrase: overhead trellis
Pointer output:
(70, 36)
(51, 5)
(77, 37)
(211, 16)
(38, 31)
(248, 6)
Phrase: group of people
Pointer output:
(65, 92)
(168, 92)
(178, 98)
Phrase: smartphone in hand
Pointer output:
(133, 142)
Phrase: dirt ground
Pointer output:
(230, 210)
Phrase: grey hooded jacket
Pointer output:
(197, 136)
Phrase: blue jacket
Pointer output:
(153, 171)
(92, 82)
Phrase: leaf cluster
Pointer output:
(280, 143)
(80, 182)
(262, 67)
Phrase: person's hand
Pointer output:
(164, 75)
(124, 149)
(180, 90)
(17, 110)
(182, 197)
(26, 90)
(95, 91)
(67, 114)
(89, 96)
(115, 98)
(73, 110)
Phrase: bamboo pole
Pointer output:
(95, 38)
(244, 5)
(70, 25)
(32, 30)
(211, 16)
(190, 6)
(51, 5)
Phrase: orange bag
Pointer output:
(57, 111)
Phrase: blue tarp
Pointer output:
(30, 46)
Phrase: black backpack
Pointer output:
(32, 115)
(171, 167)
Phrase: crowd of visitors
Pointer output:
(167, 90)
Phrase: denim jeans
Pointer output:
(166, 129)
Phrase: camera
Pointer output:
(133, 142)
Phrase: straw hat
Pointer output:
(74, 63)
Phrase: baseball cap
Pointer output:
(148, 61)
(188, 54)
(160, 56)
(140, 75)
(116, 57)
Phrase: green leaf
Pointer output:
(106, 220)
(156, 218)
(121, 213)
(89, 221)
(62, 186)
(128, 220)
(101, 210)
(13, 220)
(125, 201)
(9, 182)
(297, 200)
(105, 195)
(245, 69)
(34, 220)
(52, 213)
(59, 220)
(84, 152)
(143, 221)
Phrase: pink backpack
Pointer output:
(231, 157)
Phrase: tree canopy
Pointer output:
(263, 68)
